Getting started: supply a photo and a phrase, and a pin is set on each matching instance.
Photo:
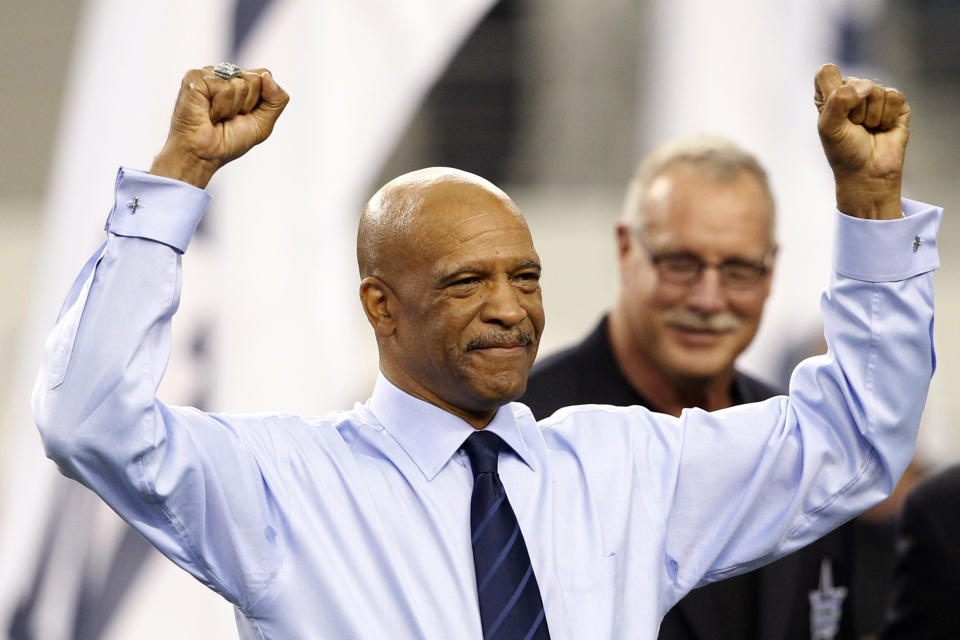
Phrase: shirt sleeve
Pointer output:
(755, 482)
(156, 208)
(200, 488)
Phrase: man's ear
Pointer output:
(624, 237)
(378, 303)
(772, 262)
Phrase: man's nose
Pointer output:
(706, 293)
(502, 305)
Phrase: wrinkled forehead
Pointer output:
(685, 196)
(439, 196)
(425, 213)
(467, 222)
(451, 206)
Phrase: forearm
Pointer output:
(94, 400)
(95, 403)
(107, 353)
(858, 408)
(104, 361)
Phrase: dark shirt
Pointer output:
(770, 603)
(925, 598)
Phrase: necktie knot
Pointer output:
(483, 449)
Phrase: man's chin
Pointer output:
(700, 364)
(501, 389)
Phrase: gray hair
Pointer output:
(717, 157)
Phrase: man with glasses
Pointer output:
(696, 251)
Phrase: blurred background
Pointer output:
(555, 102)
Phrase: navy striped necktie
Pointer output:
(510, 605)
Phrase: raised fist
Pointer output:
(864, 128)
(217, 120)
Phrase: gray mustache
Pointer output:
(519, 337)
(696, 321)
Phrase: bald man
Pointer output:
(432, 231)
(440, 508)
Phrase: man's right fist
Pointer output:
(216, 121)
(864, 128)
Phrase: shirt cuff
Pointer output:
(156, 208)
(889, 250)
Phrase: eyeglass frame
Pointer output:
(656, 259)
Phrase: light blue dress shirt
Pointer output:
(356, 524)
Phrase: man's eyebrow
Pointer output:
(529, 264)
(479, 271)
(464, 270)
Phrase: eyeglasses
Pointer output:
(684, 267)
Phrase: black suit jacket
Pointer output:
(771, 603)
(925, 599)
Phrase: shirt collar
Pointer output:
(431, 435)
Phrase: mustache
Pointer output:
(517, 338)
(698, 321)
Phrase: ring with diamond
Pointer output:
(227, 70)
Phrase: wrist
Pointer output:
(872, 199)
(186, 167)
